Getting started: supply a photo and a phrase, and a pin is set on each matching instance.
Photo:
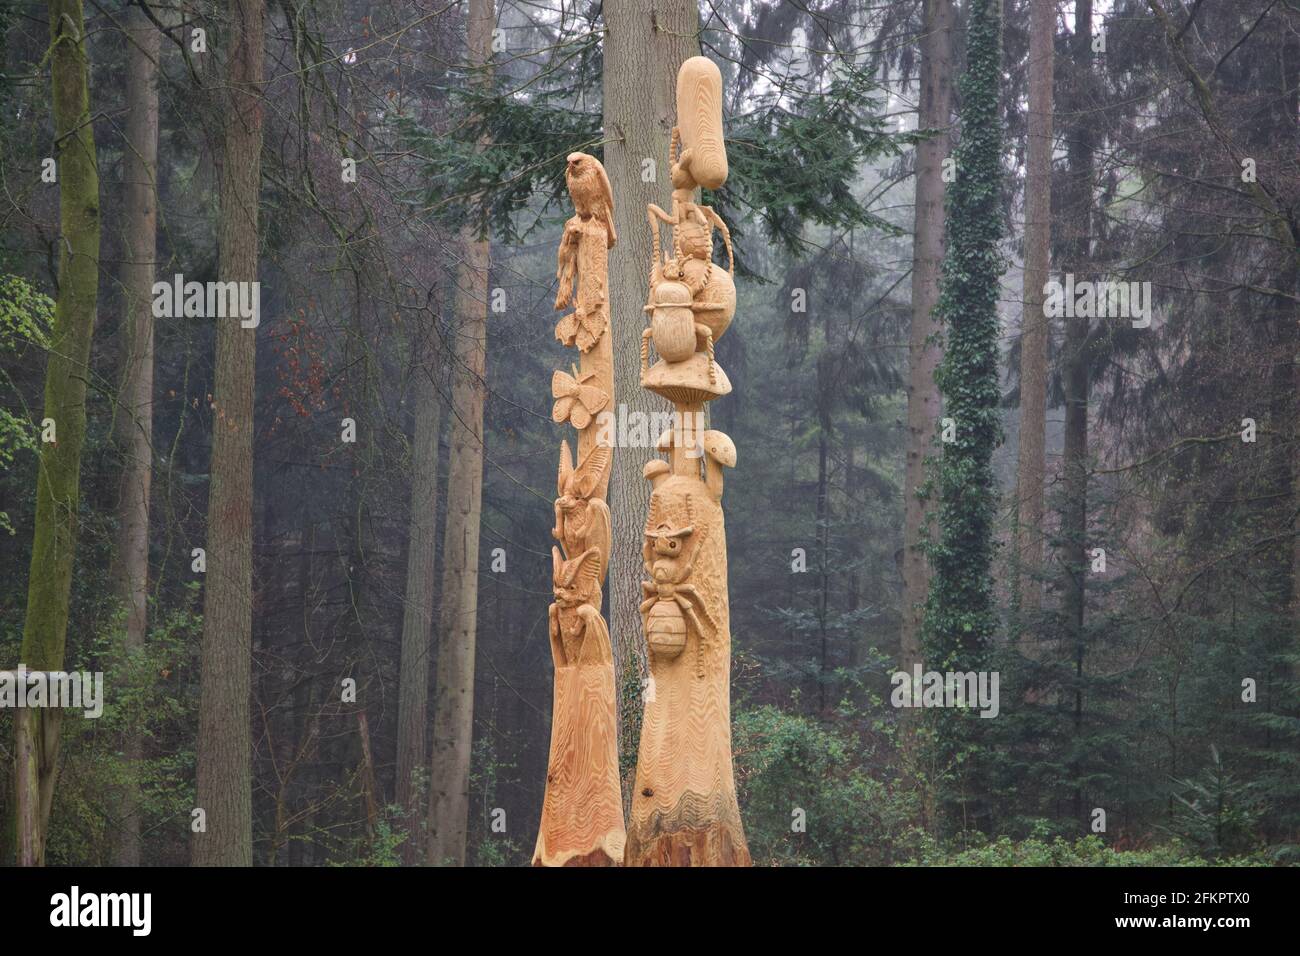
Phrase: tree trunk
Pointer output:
(417, 618)
(1074, 508)
(962, 619)
(224, 790)
(54, 544)
(645, 44)
(1028, 548)
(453, 699)
(130, 574)
(823, 562)
(453, 715)
(924, 352)
(1290, 331)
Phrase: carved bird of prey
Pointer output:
(589, 188)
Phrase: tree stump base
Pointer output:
(594, 858)
(714, 844)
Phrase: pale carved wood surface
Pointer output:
(684, 808)
(582, 810)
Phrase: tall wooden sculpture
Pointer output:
(684, 810)
(582, 812)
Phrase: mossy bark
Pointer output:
(54, 546)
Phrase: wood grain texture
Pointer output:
(699, 117)
(582, 810)
(684, 808)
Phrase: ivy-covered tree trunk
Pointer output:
(961, 619)
(130, 572)
(54, 546)
(224, 788)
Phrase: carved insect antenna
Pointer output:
(674, 144)
(566, 467)
(726, 242)
(654, 248)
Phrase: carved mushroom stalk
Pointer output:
(655, 471)
(719, 453)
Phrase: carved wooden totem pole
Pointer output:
(684, 810)
(582, 812)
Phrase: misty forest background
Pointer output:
(1168, 150)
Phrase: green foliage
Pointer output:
(826, 140)
(151, 694)
(1085, 851)
(531, 137)
(961, 618)
(1216, 812)
(25, 317)
(787, 763)
(489, 774)
(384, 844)
(826, 137)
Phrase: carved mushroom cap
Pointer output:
(666, 441)
(654, 468)
(720, 448)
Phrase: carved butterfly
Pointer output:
(575, 400)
